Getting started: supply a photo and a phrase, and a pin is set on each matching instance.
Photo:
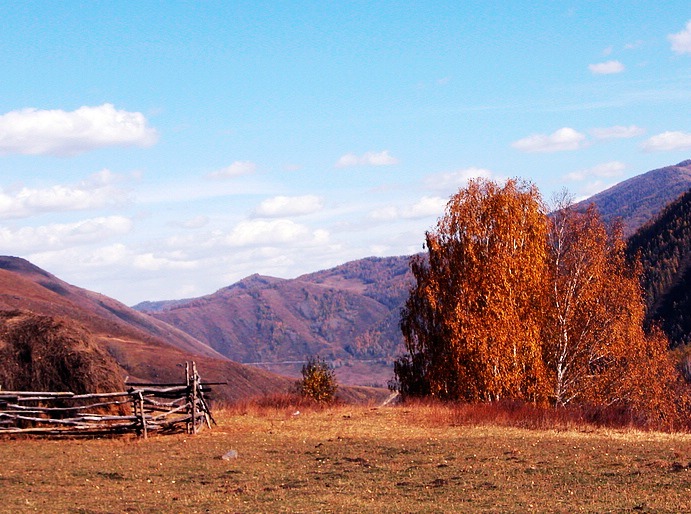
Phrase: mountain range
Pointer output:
(145, 348)
(349, 314)
(255, 334)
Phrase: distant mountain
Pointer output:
(348, 315)
(639, 199)
(664, 247)
(145, 348)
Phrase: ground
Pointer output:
(352, 459)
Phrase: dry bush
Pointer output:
(318, 381)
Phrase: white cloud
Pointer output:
(453, 180)
(280, 206)
(382, 158)
(276, 232)
(78, 259)
(605, 170)
(97, 191)
(427, 206)
(151, 262)
(57, 236)
(388, 213)
(606, 68)
(668, 141)
(617, 132)
(56, 132)
(102, 256)
(562, 140)
(237, 169)
(681, 41)
(592, 188)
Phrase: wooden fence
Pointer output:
(142, 409)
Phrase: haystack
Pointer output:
(44, 353)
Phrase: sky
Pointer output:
(164, 150)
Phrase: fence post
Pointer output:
(135, 409)
(188, 396)
(142, 414)
(194, 397)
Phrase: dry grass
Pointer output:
(352, 459)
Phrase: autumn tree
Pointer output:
(596, 350)
(512, 303)
(577, 331)
(594, 304)
(472, 323)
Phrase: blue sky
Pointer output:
(160, 150)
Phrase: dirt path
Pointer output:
(392, 397)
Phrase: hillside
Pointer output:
(641, 198)
(348, 314)
(28, 287)
(664, 247)
(145, 348)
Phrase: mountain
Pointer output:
(641, 198)
(664, 248)
(145, 348)
(347, 314)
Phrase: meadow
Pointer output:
(420, 458)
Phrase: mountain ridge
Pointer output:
(639, 199)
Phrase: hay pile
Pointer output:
(42, 353)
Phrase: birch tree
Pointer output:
(475, 313)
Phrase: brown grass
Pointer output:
(352, 459)
(526, 415)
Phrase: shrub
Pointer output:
(318, 381)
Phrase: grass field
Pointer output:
(352, 459)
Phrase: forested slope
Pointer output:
(664, 248)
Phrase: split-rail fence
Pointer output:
(142, 409)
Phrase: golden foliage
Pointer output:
(472, 309)
(513, 303)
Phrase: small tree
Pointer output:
(318, 381)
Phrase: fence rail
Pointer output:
(142, 409)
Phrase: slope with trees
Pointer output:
(664, 248)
